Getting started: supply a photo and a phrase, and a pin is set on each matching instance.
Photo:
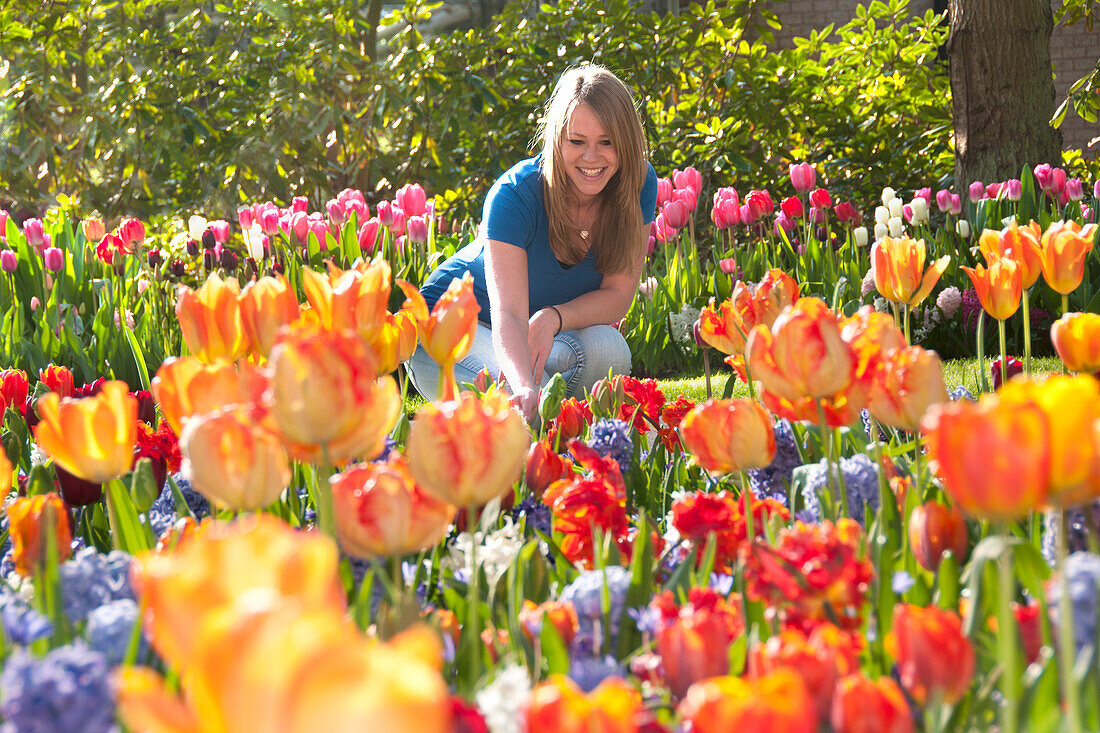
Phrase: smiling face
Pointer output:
(588, 156)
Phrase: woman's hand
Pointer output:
(527, 400)
(541, 330)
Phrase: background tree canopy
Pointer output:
(141, 108)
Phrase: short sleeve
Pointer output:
(649, 195)
(508, 215)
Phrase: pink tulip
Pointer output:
(349, 196)
(1015, 189)
(651, 246)
(689, 195)
(662, 231)
(821, 199)
(35, 233)
(784, 222)
(54, 259)
(357, 208)
(1095, 195)
(299, 204)
(35, 302)
(748, 215)
(269, 222)
(907, 212)
(417, 229)
(245, 217)
(803, 176)
(1075, 189)
(761, 202)
(977, 191)
(956, 205)
(993, 190)
(337, 213)
(725, 213)
(385, 213)
(398, 225)
(924, 193)
(1042, 176)
(943, 200)
(1057, 181)
(319, 230)
(688, 178)
(676, 214)
(792, 207)
(368, 235)
(846, 212)
(220, 228)
(727, 192)
(4, 216)
(818, 215)
(299, 225)
(412, 200)
(1086, 212)
(131, 231)
(9, 261)
(664, 191)
(728, 266)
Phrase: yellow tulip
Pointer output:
(91, 438)
(210, 320)
(1064, 252)
(1076, 338)
(184, 386)
(1021, 245)
(355, 299)
(267, 305)
(900, 276)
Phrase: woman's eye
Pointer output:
(575, 141)
(605, 143)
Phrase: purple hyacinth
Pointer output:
(589, 672)
(538, 514)
(67, 690)
(1079, 530)
(585, 593)
(22, 624)
(1083, 575)
(90, 579)
(774, 480)
(111, 627)
(860, 483)
(611, 439)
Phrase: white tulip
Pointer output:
(896, 207)
(882, 214)
(896, 226)
(963, 228)
(860, 234)
(880, 232)
(887, 194)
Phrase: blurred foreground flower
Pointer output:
(693, 639)
(777, 702)
(726, 436)
(1076, 338)
(935, 658)
(559, 706)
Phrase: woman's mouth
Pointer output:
(592, 172)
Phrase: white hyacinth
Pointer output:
(503, 701)
(496, 551)
(683, 324)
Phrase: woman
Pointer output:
(560, 250)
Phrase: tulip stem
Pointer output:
(706, 371)
(1027, 334)
(1007, 638)
(1004, 350)
(905, 315)
(827, 445)
(1067, 648)
(326, 515)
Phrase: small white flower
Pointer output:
(888, 194)
(896, 226)
(896, 207)
(963, 228)
(503, 701)
(881, 305)
(860, 235)
(683, 325)
(882, 214)
(38, 456)
(496, 551)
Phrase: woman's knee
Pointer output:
(602, 350)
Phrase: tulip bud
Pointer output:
(881, 231)
(417, 229)
(860, 235)
(54, 259)
(9, 261)
(1015, 189)
(155, 258)
(228, 260)
(209, 260)
(299, 204)
(1075, 189)
(319, 229)
(963, 228)
(178, 268)
(208, 240)
(977, 191)
(35, 233)
(1057, 181)
(220, 230)
(93, 229)
(999, 375)
(846, 212)
(803, 176)
(412, 199)
(934, 529)
(920, 211)
(398, 225)
(882, 215)
(897, 209)
(888, 194)
(35, 302)
(792, 207)
(269, 222)
(676, 214)
(245, 217)
(993, 190)
(4, 217)
(552, 395)
(337, 212)
(728, 266)
(1043, 176)
(821, 199)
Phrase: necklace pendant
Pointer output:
(584, 234)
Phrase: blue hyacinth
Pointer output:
(22, 624)
(1083, 578)
(538, 514)
(163, 514)
(1079, 530)
(611, 439)
(860, 483)
(111, 627)
(961, 393)
(773, 481)
(91, 579)
(67, 690)
(589, 672)
(585, 593)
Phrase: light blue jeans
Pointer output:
(581, 357)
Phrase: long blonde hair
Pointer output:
(615, 236)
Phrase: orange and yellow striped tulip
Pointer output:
(210, 320)
(725, 436)
(726, 326)
(993, 457)
(447, 333)
(1076, 338)
(1072, 406)
(905, 384)
(380, 511)
(395, 341)
(999, 287)
(91, 438)
(934, 529)
(232, 461)
(267, 305)
(1021, 245)
(558, 706)
(354, 300)
(468, 450)
(28, 518)
(326, 399)
(900, 276)
(1064, 252)
(184, 386)
(803, 354)
(863, 705)
(777, 702)
(935, 658)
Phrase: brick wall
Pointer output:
(1073, 50)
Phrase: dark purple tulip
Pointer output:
(76, 491)
(1015, 366)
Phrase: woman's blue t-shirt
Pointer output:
(516, 214)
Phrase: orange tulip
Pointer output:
(726, 327)
(725, 436)
(993, 458)
(561, 614)
(1072, 406)
(935, 659)
(222, 562)
(1076, 338)
(28, 519)
(816, 664)
(91, 438)
(232, 461)
(266, 306)
(355, 299)
(543, 467)
(184, 386)
(395, 341)
(803, 354)
(773, 293)
(1019, 245)
(934, 529)
(694, 643)
(58, 378)
(447, 333)
(326, 399)
(905, 384)
(863, 705)
(558, 706)
(1064, 252)
(999, 287)
(380, 510)
(900, 276)
(210, 320)
(469, 450)
(777, 702)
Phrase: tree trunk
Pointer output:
(1002, 88)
